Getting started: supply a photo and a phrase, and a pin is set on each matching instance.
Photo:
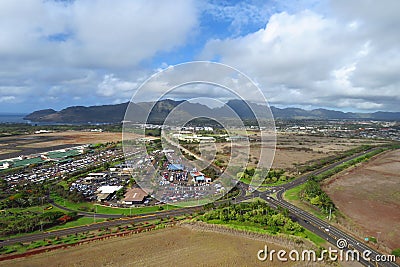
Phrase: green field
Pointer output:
(79, 222)
(293, 196)
(90, 207)
(294, 193)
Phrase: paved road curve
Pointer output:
(318, 226)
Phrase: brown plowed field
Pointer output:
(14, 146)
(369, 195)
(176, 246)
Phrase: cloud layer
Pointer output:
(344, 59)
(332, 54)
(59, 49)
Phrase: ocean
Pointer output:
(12, 118)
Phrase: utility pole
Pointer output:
(378, 238)
(330, 213)
(41, 221)
(94, 214)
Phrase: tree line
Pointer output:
(257, 214)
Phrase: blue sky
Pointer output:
(333, 54)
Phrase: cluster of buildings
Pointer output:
(60, 155)
(343, 128)
(190, 138)
(103, 186)
(99, 186)
(57, 169)
(180, 183)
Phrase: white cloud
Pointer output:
(94, 33)
(337, 54)
(8, 99)
(115, 87)
(71, 45)
(307, 59)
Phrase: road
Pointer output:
(307, 220)
(95, 226)
(118, 220)
(318, 226)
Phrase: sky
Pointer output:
(342, 55)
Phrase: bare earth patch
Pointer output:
(369, 195)
(292, 149)
(77, 137)
(175, 246)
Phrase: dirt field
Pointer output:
(292, 149)
(369, 195)
(176, 246)
(76, 137)
(36, 143)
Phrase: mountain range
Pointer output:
(159, 111)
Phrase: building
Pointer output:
(198, 177)
(194, 138)
(4, 165)
(106, 192)
(236, 138)
(167, 151)
(175, 167)
(134, 196)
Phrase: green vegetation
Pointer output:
(313, 193)
(79, 222)
(24, 195)
(26, 221)
(74, 238)
(315, 238)
(9, 129)
(396, 252)
(272, 177)
(255, 216)
(133, 211)
(346, 165)
(211, 172)
(319, 163)
(92, 207)
(293, 194)
(153, 132)
(153, 146)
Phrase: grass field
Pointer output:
(292, 196)
(108, 210)
(78, 222)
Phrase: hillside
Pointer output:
(185, 110)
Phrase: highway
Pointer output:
(307, 220)
(318, 226)
(95, 226)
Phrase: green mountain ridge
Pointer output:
(151, 112)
